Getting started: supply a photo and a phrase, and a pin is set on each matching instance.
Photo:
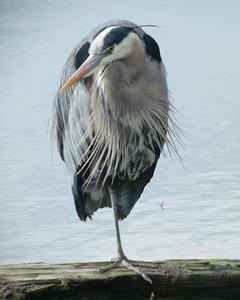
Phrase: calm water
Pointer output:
(200, 45)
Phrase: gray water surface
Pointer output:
(200, 46)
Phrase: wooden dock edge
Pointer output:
(83, 280)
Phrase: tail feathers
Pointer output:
(89, 201)
(128, 192)
(126, 200)
(79, 204)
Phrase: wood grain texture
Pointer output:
(182, 278)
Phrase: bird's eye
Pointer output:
(110, 49)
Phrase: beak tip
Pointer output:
(89, 65)
(61, 90)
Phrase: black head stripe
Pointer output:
(81, 55)
(152, 48)
(115, 36)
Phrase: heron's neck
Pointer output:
(116, 84)
(123, 110)
(124, 71)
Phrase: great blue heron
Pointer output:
(111, 118)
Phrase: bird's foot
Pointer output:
(142, 264)
(128, 264)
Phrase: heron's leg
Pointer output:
(121, 258)
(120, 253)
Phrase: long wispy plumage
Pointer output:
(111, 127)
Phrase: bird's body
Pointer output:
(112, 124)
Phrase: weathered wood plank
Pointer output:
(83, 281)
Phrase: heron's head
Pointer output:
(112, 44)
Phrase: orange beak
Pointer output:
(84, 70)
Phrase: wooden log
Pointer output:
(180, 279)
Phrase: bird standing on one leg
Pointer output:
(111, 120)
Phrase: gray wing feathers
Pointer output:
(75, 145)
(71, 111)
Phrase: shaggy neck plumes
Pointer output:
(127, 101)
(123, 111)
(114, 89)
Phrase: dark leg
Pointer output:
(121, 258)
